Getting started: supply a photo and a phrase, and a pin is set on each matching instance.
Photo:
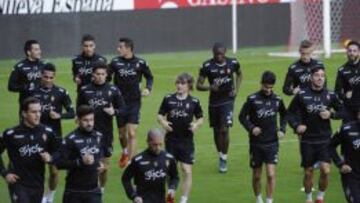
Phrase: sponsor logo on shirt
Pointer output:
(126, 73)
(265, 113)
(175, 113)
(90, 150)
(222, 80)
(85, 70)
(354, 80)
(33, 75)
(153, 175)
(29, 150)
(96, 102)
(304, 78)
(315, 108)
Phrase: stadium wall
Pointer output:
(153, 30)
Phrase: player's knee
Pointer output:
(224, 130)
(256, 177)
(270, 177)
(325, 170)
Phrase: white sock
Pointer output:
(183, 199)
(50, 195)
(309, 196)
(223, 156)
(259, 199)
(269, 200)
(44, 199)
(320, 195)
(102, 190)
(125, 151)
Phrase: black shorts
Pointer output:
(182, 151)
(222, 115)
(312, 153)
(108, 140)
(82, 197)
(22, 194)
(348, 114)
(351, 186)
(131, 115)
(263, 153)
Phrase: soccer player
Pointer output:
(81, 155)
(259, 116)
(28, 146)
(128, 71)
(349, 139)
(220, 71)
(150, 171)
(52, 99)
(82, 64)
(108, 102)
(26, 74)
(347, 84)
(298, 75)
(176, 115)
(309, 115)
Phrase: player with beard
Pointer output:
(81, 155)
(347, 85)
(150, 171)
(220, 71)
(259, 116)
(298, 75)
(176, 115)
(128, 71)
(82, 64)
(26, 74)
(28, 147)
(107, 101)
(53, 99)
(310, 113)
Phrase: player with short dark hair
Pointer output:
(220, 71)
(28, 146)
(176, 115)
(53, 99)
(310, 113)
(26, 74)
(259, 116)
(82, 64)
(108, 102)
(349, 164)
(128, 71)
(347, 85)
(150, 171)
(298, 75)
(81, 155)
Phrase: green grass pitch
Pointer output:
(208, 185)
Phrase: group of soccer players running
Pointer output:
(152, 175)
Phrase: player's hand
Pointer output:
(11, 178)
(77, 80)
(88, 159)
(45, 156)
(109, 110)
(345, 169)
(101, 168)
(348, 94)
(214, 87)
(280, 134)
(256, 131)
(167, 126)
(296, 90)
(54, 115)
(145, 92)
(325, 114)
(138, 200)
(193, 127)
(301, 129)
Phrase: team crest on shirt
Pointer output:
(137, 65)
(167, 163)
(187, 105)
(44, 137)
(328, 97)
(109, 93)
(228, 70)
(52, 98)
(156, 163)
